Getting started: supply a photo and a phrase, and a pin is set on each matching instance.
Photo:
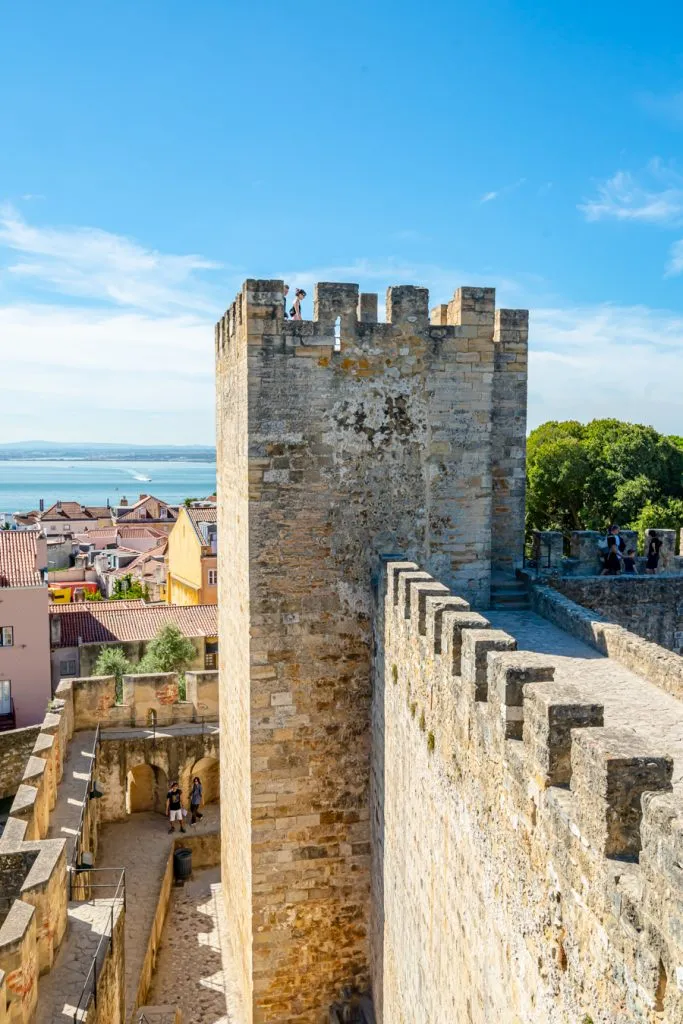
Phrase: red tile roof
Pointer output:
(201, 515)
(66, 511)
(18, 559)
(99, 622)
(137, 566)
(147, 508)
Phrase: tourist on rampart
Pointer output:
(653, 554)
(285, 292)
(174, 807)
(630, 562)
(612, 559)
(196, 797)
(614, 532)
(295, 311)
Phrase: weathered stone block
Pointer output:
(476, 644)
(454, 625)
(550, 715)
(611, 769)
(508, 675)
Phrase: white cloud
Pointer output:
(602, 361)
(94, 264)
(497, 193)
(653, 197)
(123, 347)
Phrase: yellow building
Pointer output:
(191, 556)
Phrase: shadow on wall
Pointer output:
(146, 789)
(147, 785)
(207, 768)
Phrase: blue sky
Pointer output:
(153, 155)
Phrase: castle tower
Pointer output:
(339, 440)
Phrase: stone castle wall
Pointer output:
(524, 865)
(651, 606)
(338, 439)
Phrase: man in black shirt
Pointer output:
(174, 806)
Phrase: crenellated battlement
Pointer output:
(344, 317)
(544, 776)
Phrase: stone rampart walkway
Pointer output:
(190, 972)
(141, 845)
(71, 792)
(630, 701)
(59, 991)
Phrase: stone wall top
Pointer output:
(341, 311)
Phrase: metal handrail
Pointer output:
(78, 845)
(89, 990)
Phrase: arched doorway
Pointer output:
(146, 789)
(207, 768)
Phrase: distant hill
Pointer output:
(106, 452)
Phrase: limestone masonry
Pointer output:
(339, 440)
(463, 818)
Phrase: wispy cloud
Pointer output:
(488, 197)
(118, 334)
(655, 196)
(605, 360)
(98, 265)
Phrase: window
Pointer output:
(6, 636)
(67, 668)
(213, 577)
(162, 512)
(211, 654)
(5, 697)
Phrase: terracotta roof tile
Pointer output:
(201, 515)
(150, 506)
(66, 511)
(94, 623)
(18, 550)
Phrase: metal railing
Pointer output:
(118, 900)
(78, 845)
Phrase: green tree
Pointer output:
(556, 475)
(666, 515)
(169, 651)
(188, 501)
(126, 588)
(584, 477)
(112, 661)
(93, 595)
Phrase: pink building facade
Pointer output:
(24, 629)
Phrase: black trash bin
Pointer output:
(182, 864)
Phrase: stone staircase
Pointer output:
(509, 594)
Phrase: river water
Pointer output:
(24, 483)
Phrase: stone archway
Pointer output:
(208, 770)
(146, 789)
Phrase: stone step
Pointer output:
(510, 606)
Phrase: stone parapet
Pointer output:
(146, 700)
(650, 660)
(506, 811)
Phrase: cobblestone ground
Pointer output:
(191, 960)
(630, 701)
(141, 844)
